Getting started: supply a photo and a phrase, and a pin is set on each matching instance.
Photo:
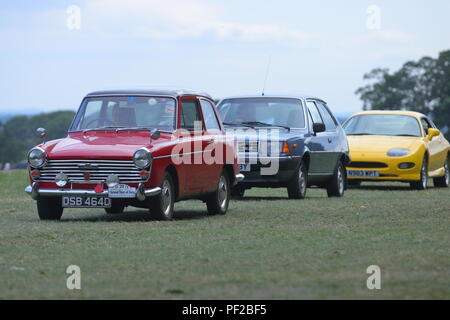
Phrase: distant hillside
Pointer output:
(17, 134)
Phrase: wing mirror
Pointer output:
(432, 132)
(41, 133)
(318, 127)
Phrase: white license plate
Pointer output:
(86, 202)
(363, 173)
(122, 191)
(245, 167)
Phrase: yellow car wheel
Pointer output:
(422, 183)
(443, 182)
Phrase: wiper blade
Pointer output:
(360, 134)
(133, 128)
(266, 124)
(236, 124)
(102, 128)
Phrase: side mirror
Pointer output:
(432, 132)
(318, 127)
(155, 134)
(41, 133)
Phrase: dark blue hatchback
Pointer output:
(287, 141)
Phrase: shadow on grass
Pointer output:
(382, 187)
(137, 216)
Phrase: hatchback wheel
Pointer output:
(161, 206)
(422, 183)
(336, 187)
(49, 208)
(298, 185)
(116, 207)
(217, 202)
(443, 182)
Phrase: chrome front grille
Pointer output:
(97, 170)
(247, 146)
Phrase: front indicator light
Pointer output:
(35, 174)
(398, 152)
(144, 174)
(285, 148)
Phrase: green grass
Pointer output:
(266, 247)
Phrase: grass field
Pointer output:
(266, 247)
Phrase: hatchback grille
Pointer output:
(362, 164)
(98, 170)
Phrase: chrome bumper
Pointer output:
(34, 192)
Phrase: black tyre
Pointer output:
(336, 187)
(443, 182)
(298, 185)
(217, 202)
(237, 192)
(49, 208)
(116, 207)
(422, 183)
(354, 183)
(161, 206)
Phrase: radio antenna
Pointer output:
(267, 75)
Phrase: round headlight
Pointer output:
(398, 152)
(37, 158)
(142, 158)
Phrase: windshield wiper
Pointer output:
(102, 128)
(266, 124)
(236, 124)
(133, 128)
(360, 134)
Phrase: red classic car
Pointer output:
(146, 149)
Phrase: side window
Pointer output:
(190, 114)
(209, 116)
(330, 125)
(426, 125)
(314, 112)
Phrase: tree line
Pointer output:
(422, 86)
(17, 135)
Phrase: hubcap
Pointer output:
(222, 192)
(301, 180)
(166, 195)
(340, 180)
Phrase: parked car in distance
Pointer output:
(312, 146)
(396, 146)
(121, 150)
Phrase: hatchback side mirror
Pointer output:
(318, 127)
(432, 132)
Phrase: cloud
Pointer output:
(173, 19)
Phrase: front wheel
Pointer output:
(298, 185)
(161, 206)
(443, 182)
(336, 188)
(116, 207)
(49, 208)
(237, 192)
(217, 202)
(422, 183)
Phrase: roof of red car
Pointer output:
(150, 92)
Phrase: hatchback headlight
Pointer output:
(37, 157)
(398, 152)
(142, 158)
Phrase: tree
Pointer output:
(422, 86)
(17, 135)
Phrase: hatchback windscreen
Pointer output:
(283, 112)
(383, 124)
(125, 112)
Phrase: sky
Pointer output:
(54, 52)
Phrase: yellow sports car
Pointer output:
(396, 146)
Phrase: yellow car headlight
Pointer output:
(398, 152)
